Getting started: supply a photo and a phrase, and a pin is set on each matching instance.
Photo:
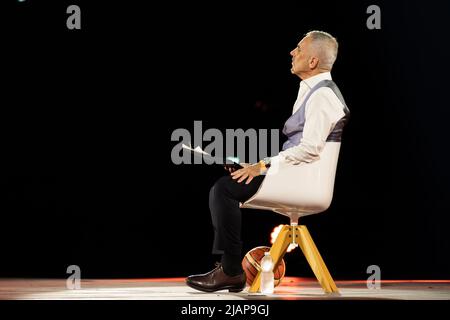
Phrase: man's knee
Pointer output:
(212, 192)
(221, 186)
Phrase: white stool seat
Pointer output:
(298, 190)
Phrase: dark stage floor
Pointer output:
(292, 288)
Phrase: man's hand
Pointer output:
(231, 168)
(248, 172)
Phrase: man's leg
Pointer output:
(224, 200)
(226, 215)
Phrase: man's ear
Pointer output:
(313, 63)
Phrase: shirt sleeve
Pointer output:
(323, 111)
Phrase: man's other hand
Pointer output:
(248, 172)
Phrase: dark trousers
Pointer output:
(224, 199)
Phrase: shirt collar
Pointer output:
(311, 82)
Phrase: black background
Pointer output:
(87, 117)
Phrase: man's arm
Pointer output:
(321, 115)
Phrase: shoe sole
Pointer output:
(230, 288)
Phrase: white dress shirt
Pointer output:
(322, 111)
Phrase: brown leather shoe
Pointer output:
(216, 280)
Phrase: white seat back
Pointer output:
(298, 190)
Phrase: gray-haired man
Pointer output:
(318, 116)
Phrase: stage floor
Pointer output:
(292, 288)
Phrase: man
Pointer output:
(319, 115)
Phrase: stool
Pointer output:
(295, 191)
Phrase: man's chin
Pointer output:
(294, 72)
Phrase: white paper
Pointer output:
(197, 149)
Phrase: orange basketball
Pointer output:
(252, 263)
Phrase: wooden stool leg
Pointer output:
(277, 252)
(315, 261)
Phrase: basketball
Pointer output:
(251, 265)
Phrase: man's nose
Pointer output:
(292, 53)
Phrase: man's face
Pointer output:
(300, 57)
